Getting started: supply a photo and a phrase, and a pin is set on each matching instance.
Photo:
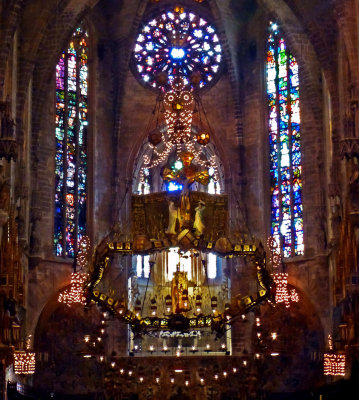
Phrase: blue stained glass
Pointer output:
(70, 133)
(177, 43)
(173, 186)
(285, 160)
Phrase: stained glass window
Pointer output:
(183, 262)
(213, 188)
(177, 42)
(284, 139)
(174, 186)
(71, 151)
(213, 184)
(211, 266)
(144, 185)
(143, 266)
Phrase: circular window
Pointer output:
(177, 42)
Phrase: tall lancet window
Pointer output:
(71, 148)
(284, 139)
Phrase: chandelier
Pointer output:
(185, 129)
(181, 312)
(193, 222)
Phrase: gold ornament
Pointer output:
(203, 138)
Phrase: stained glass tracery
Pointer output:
(177, 42)
(284, 139)
(71, 151)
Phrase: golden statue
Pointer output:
(178, 286)
(185, 176)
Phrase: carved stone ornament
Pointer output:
(349, 148)
(8, 149)
(8, 145)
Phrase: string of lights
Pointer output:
(75, 294)
(24, 362)
(178, 105)
(282, 292)
(334, 364)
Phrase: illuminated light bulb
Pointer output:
(165, 348)
(172, 380)
(153, 313)
(257, 355)
(198, 310)
(243, 316)
(102, 331)
(193, 348)
(178, 353)
(87, 338)
(223, 346)
(102, 322)
(207, 346)
(99, 339)
(245, 363)
(122, 371)
(141, 379)
(136, 347)
(102, 358)
(234, 370)
(168, 309)
(224, 373)
(274, 335)
(113, 364)
(202, 381)
(216, 376)
(186, 383)
(130, 373)
(259, 334)
(178, 164)
(157, 380)
(152, 348)
(179, 346)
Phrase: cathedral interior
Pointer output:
(179, 199)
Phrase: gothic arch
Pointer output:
(302, 49)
